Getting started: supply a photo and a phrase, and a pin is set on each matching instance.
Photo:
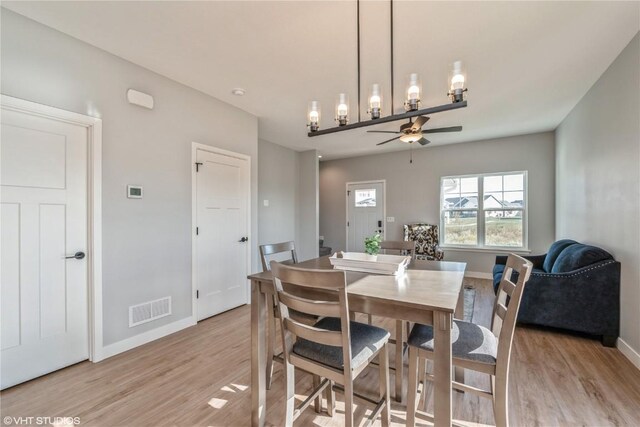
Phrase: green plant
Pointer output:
(372, 244)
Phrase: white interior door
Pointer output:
(222, 192)
(43, 219)
(365, 213)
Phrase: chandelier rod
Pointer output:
(391, 32)
(358, 30)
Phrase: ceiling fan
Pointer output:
(412, 132)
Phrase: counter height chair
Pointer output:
(476, 347)
(335, 349)
(267, 252)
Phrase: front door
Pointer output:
(365, 213)
(43, 222)
(221, 240)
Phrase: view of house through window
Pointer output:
(366, 198)
(486, 210)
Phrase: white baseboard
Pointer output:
(629, 352)
(143, 338)
(478, 275)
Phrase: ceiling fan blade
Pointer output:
(382, 131)
(424, 141)
(438, 130)
(388, 140)
(420, 120)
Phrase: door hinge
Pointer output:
(348, 192)
(347, 223)
(197, 294)
(198, 164)
(197, 230)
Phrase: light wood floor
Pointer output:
(200, 376)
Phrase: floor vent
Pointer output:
(148, 311)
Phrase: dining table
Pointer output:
(428, 292)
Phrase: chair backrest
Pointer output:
(332, 284)
(506, 306)
(404, 247)
(276, 248)
(424, 235)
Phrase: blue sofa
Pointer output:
(573, 286)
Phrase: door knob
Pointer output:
(244, 239)
(77, 255)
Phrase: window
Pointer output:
(484, 211)
(366, 198)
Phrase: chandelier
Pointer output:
(412, 97)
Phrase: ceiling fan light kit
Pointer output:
(410, 133)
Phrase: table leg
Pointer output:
(399, 360)
(459, 314)
(258, 357)
(442, 368)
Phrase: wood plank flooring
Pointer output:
(200, 377)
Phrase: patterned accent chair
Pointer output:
(426, 238)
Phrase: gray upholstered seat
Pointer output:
(469, 341)
(366, 340)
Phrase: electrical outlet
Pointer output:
(266, 202)
(391, 219)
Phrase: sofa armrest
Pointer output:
(536, 260)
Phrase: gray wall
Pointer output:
(277, 183)
(146, 243)
(308, 209)
(413, 192)
(289, 181)
(598, 176)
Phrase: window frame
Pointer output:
(480, 214)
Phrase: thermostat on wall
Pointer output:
(134, 191)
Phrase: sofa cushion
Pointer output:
(577, 256)
(553, 252)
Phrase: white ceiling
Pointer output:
(528, 63)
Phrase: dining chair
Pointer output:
(427, 242)
(400, 246)
(266, 252)
(335, 349)
(475, 347)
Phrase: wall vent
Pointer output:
(148, 311)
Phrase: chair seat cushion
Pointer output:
(469, 341)
(366, 340)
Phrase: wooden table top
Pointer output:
(425, 285)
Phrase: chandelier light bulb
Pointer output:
(375, 102)
(413, 93)
(314, 116)
(342, 109)
(457, 80)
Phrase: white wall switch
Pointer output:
(266, 202)
(391, 219)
